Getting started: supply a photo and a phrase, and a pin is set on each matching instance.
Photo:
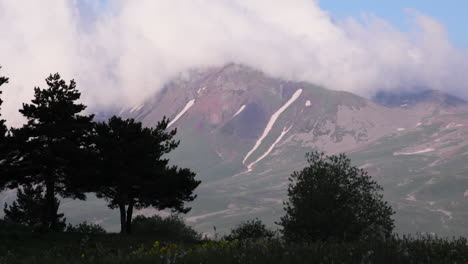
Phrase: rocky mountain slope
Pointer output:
(245, 133)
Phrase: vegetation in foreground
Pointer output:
(170, 240)
(136, 248)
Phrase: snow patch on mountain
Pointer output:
(284, 132)
(272, 121)
(198, 217)
(219, 154)
(429, 182)
(239, 111)
(201, 90)
(445, 212)
(410, 197)
(186, 108)
(365, 166)
(452, 125)
(414, 153)
(136, 108)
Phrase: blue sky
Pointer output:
(452, 13)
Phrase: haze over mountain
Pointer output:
(122, 52)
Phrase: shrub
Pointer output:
(85, 228)
(171, 228)
(250, 230)
(331, 199)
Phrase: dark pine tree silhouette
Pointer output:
(3, 127)
(28, 209)
(134, 174)
(49, 148)
(4, 142)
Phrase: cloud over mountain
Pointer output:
(123, 51)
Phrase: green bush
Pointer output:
(171, 228)
(85, 228)
(330, 199)
(250, 230)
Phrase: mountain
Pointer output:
(245, 132)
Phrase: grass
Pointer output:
(115, 248)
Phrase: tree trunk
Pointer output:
(123, 219)
(129, 217)
(50, 219)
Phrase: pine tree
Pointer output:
(3, 127)
(4, 141)
(51, 146)
(133, 173)
(28, 209)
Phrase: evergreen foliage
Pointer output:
(331, 199)
(3, 127)
(3, 139)
(28, 209)
(50, 147)
(133, 172)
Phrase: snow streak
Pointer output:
(272, 121)
(270, 149)
(187, 107)
(239, 111)
(414, 153)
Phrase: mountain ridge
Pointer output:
(225, 139)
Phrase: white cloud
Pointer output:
(124, 52)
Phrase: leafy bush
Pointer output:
(171, 228)
(332, 200)
(85, 228)
(250, 230)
